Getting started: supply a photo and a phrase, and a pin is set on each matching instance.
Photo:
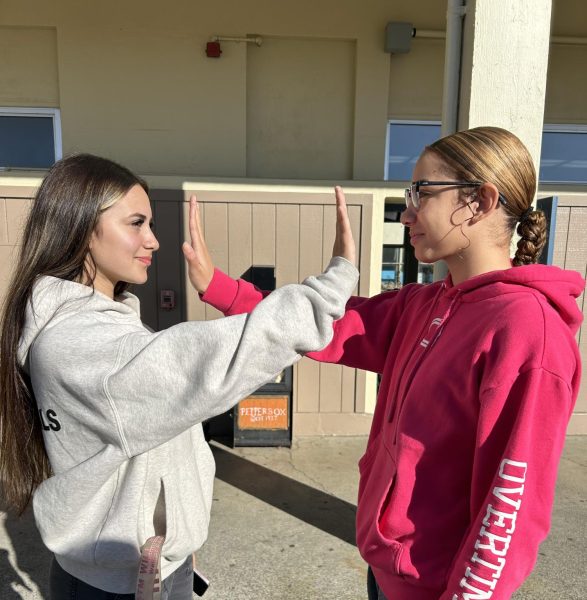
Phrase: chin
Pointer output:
(137, 279)
(424, 257)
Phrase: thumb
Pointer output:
(188, 252)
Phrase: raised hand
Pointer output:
(344, 244)
(200, 265)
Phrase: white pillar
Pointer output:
(503, 70)
(504, 65)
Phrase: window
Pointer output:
(30, 138)
(405, 142)
(392, 272)
(564, 154)
(563, 158)
(425, 273)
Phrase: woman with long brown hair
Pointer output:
(480, 373)
(100, 417)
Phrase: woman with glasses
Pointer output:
(480, 373)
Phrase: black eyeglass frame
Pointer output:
(414, 190)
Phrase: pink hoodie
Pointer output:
(478, 384)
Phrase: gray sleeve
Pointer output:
(165, 382)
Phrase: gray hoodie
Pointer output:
(121, 409)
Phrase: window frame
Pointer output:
(54, 113)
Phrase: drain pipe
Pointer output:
(455, 12)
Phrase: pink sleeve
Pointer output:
(361, 337)
(231, 296)
(520, 437)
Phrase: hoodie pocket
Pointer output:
(188, 501)
(365, 463)
(378, 477)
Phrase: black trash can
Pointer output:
(265, 417)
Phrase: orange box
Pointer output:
(263, 412)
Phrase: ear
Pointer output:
(484, 201)
(93, 240)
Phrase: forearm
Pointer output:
(196, 370)
(513, 517)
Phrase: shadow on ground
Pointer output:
(319, 509)
(32, 558)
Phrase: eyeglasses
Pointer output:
(412, 193)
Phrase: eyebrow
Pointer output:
(140, 216)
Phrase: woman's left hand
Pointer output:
(200, 265)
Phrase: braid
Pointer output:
(532, 232)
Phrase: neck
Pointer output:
(470, 263)
(104, 285)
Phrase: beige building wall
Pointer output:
(28, 67)
(292, 132)
(151, 99)
(415, 81)
(566, 89)
(416, 78)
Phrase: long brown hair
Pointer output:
(496, 155)
(63, 215)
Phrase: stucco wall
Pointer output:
(133, 82)
(416, 78)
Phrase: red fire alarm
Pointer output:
(213, 50)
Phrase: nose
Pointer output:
(408, 216)
(151, 242)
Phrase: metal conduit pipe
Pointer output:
(561, 40)
(567, 40)
(455, 12)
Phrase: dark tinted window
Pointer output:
(564, 157)
(405, 143)
(26, 141)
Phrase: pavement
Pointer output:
(283, 529)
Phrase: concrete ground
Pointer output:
(283, 528)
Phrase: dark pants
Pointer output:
(63, 586)
(373, 590)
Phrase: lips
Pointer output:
(145, 260)
(415, 236)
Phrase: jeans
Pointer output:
(63, 586)
(373, 590)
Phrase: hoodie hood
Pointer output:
(54, 300)
(560, 287)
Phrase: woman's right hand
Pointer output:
(344, 244)
(200, 265)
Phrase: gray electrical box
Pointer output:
(398, 37)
